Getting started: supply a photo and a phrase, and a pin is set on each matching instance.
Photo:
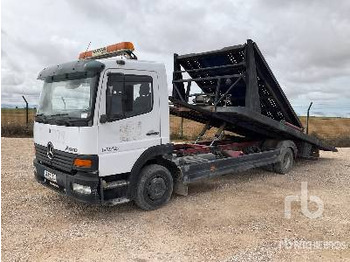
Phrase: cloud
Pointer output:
(305, 42)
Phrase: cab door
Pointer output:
(130, 99)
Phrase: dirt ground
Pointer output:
(237, 217)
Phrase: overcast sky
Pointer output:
(306, 43)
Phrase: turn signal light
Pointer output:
(107, 50)
(83, 162)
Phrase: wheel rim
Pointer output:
(156, 188)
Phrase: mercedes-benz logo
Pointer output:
(49, 150)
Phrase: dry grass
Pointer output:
(16, 116)
(13, 122)
(332, 130)
(191, 129)
(328, 127)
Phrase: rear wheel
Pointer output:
(268, 168)
(154, 187)
(286, 162)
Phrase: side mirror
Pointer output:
(103, 119)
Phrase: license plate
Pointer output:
(50, 176)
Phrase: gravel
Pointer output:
(237, 217)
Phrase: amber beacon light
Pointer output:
(108, 50)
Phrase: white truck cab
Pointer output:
(96, 118)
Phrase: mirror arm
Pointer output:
(103, 119)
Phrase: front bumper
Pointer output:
(64, 183)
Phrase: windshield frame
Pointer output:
(66, 120)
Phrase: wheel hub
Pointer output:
(156, 188)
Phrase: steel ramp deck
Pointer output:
(239, 89)
(245, 122)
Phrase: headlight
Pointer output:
(81, 189)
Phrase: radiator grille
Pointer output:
(61, 160)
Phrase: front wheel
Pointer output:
(154, 187)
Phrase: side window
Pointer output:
(129, 95)
(115, 92)
(139, 95)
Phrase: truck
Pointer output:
(101, 132)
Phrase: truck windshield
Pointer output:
(70, 99)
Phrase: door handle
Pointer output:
(152, 133)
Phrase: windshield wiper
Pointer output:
(60, 114)
(60, 119)
(71, 121)
(41, 118)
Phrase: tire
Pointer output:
(286, 162)
(154, 187)
(268, 168)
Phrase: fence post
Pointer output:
(182, 127)
(27, 112)
(307, 118)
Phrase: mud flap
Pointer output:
(180, 188)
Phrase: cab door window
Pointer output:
(115, 92)
(129, 95)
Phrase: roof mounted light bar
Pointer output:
(123, 48)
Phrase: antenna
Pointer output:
(88, 46)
